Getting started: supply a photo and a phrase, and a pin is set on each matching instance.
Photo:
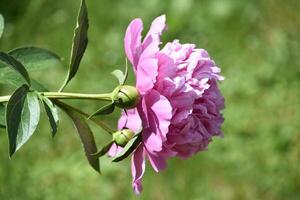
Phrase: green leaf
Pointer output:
(35, 58)
(80, 41)
(85, 134)
(1, 25)
(105, 110)
(37, 86)
(122, 77)
(16, 65)
(22, 117)
(119, 75)
(2, 116)
(51, 112)
(14, 115)
(129, 148)
(17, 81)
(104, 150)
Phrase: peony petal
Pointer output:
(157, 162)
(146, 75)
(114, 150)
(162, 111)
(132, 41)
(181, 115)
(152, 142)
(130, 120)
(157, 27)
(143, 112)
(150, 48)
(166, 70)
(138, 169)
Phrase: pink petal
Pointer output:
(152, 142)
(157, 162)
(150, 48)
(132, 120)
(181, 115)
(114, 150)
(166, 69)
(132, 41)
(138, 169)
(162, 110)
(157, 27)
(146, 75)
(143, 112)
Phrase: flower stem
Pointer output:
(64, 95)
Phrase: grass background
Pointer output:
(257, 45)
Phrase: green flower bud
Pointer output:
(122, 137)
(127, 97)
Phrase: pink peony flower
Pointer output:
(179, 110)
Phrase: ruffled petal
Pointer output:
(157, 162)
(146, 74)
(130, 120)
(132, 41)
(162, 111)
(138, 169)
(152, 142)
(157, 27)
(147, 68)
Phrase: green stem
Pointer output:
(64, 95)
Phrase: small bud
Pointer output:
(128, 97)
(122, 137)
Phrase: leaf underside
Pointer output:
(13, 116)
(51, 112)
(85, 135)
(22, 117)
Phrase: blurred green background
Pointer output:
(257, 45)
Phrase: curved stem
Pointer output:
(65, 95)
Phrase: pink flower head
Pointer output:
(179, 110)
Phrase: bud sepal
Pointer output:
(122, 137)
(127, 97)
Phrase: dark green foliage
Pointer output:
(14, 115)
(16, 65)
(2, 116)
(33, 59)
(22, 117)
(85, 134)
(104, 150)
(51, 112)
(36, 58)
(80, 42)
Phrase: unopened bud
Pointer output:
(128, 97)
(122, 137)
